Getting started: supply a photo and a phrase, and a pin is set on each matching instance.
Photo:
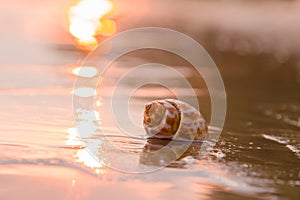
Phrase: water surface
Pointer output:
(257, 156)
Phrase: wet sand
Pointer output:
(257, 156)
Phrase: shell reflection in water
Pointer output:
(169, 152)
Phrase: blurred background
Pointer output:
(255, 45)
(258, 40)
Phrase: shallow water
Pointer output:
(257, 155)
(42, 157)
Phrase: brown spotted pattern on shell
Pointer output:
(172, 118)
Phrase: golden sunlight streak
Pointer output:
(84, 92)
(87, 21)
(85, 71)
(82, 154)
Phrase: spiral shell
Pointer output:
(170, 118)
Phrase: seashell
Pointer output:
(170, 118)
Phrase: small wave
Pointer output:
(280, 140)
(295, 148)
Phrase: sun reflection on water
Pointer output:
(82, 143)
(85, 71)
(82, 155)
